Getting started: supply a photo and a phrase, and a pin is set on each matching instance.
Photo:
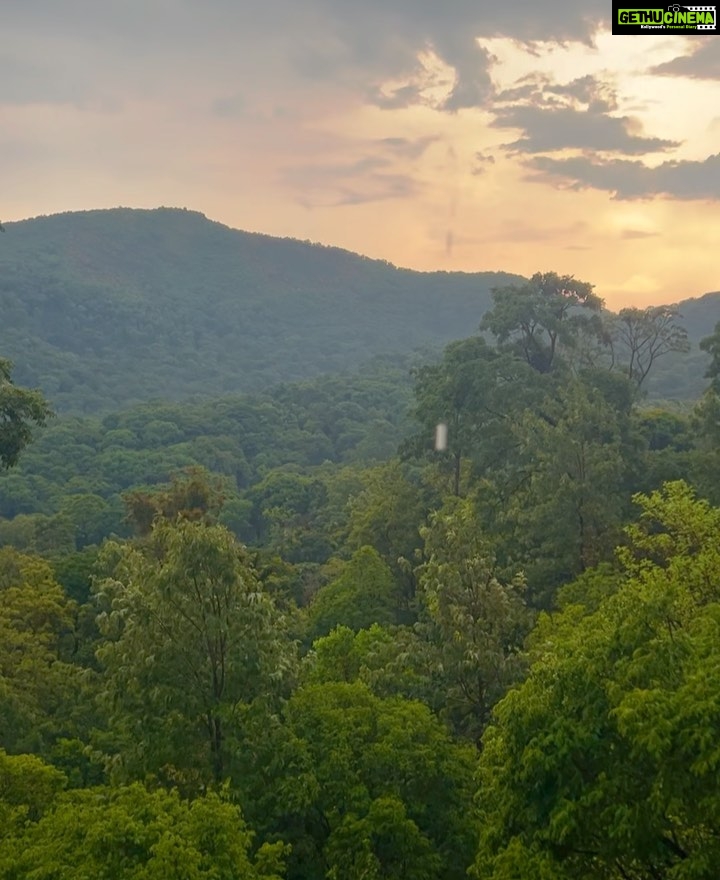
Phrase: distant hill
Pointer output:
(682, 376)
(103, 309)
(109, 308)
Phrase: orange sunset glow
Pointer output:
(461, 137)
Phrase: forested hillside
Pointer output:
(289, 635)
(123, 306)
(680, 376)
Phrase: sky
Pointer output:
(455, 135)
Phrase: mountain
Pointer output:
(682, 376)
(108, 308)
(103, 309)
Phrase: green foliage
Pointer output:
(386, 513)
(28, 787)
(171, 658)
(43, 695)
(120, 306)
(471, 390)
(567, 510)
(133, 833)
(189, 635)
(393, 789)
(20, 410)
(474, 624)
(540, 318)
(365, 593)
(711, 345)
(391, 661)
(238, 439)
(604, 762)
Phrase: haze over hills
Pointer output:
(107, 308)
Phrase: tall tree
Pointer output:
(42, 693)
(567, 508)
(126, 832)
(641, 336)
(472, 623)
(603, 763)
(392, 795)
(475, 390)
(365, 593)
(189, 636)
(20, 410)
(538, 318)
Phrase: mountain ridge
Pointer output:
(112, 307)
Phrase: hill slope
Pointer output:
(682, 376)
(104, 308)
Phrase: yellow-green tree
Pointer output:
(604, 763)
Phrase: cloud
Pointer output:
(230, 107)
(574, 115)
(482, 161)
(524, 232)
(703, 63)
(631, 179)
(407, 148)
(357, 46)
(396, 99)
(27, 81)
(368, 179)
(559, 128)
(599, 96)
(630, 234)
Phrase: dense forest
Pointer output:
(284, 633)
(122, 306)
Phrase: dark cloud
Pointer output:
(703, 63)
(395, 99)
(558, 128)
(482, 161)
(631, 179)
(358, 46)
(599, 96)
(574, 115)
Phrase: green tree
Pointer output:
(460, 393)
(363, 594)
(641, 336)
(190, 635)
(473, 623)
(386, 514)
(392, 661)
(133, 833)
(393, 789)
(20, 410)
(603, 764)
(536, 320)
(566, 511)
(43, 695)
